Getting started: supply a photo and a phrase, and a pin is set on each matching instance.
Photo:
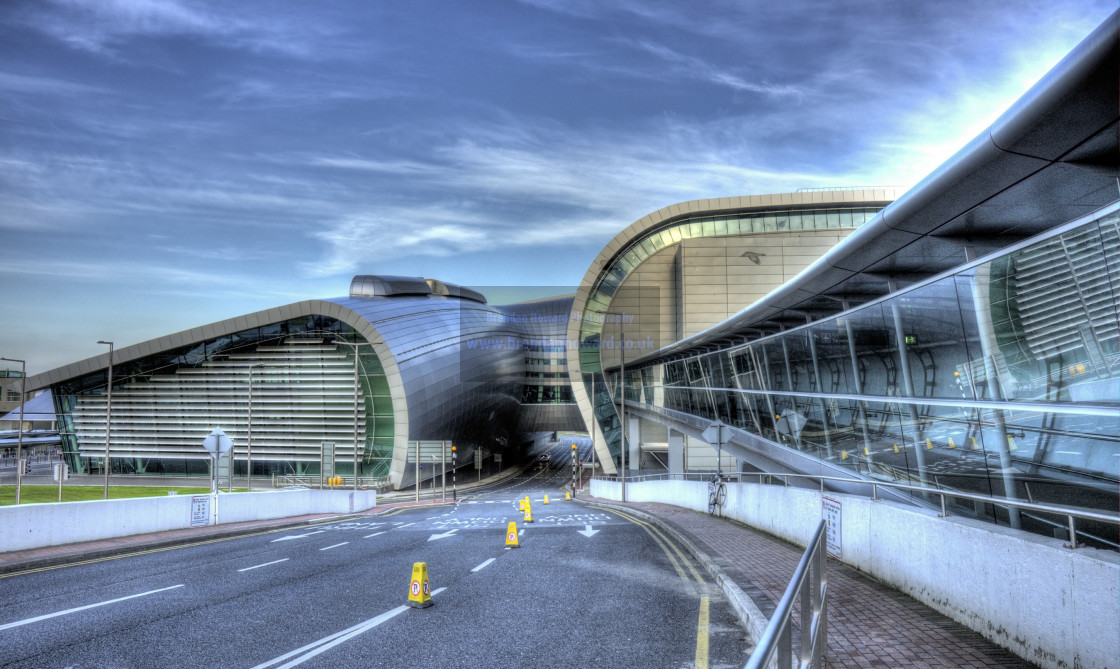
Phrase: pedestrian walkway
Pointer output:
(869, 624)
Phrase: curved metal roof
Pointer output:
(1053, 157)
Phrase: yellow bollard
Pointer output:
(528, 512)
(511, 536)
(420, 590)
(546, 499)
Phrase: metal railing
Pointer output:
(1072, 514)
(347, 482)
(810, 586)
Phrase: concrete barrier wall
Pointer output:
(1053, 606)
(36, 525)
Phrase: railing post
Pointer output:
(944, 511)
(875, 492)
(1072, 532)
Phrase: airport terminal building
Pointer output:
(963, 334)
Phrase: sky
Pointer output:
(168, 164)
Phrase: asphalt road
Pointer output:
(586, 587)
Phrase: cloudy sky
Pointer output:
(165, 164)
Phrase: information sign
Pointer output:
(831, 514)
(477, 459)
(200, 510)
(497, 458)
(326, 459)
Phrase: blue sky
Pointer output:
(167, 164)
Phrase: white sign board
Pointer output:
(717, 434)
(497, 458)
(200, 510)
(831, 513)
(217, 443)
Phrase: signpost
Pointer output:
(478, 462)
(216, 444)
(717, 434)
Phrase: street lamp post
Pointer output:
(108, 413)
(249, 439)
(19, 437)
(356, 387)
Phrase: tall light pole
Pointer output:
(356, 388)
(622, 392)
(108, 413)
(249, 439)
(19, 438)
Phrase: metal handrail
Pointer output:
(777, 638)
(1071, 513)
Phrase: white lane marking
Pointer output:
(83, 608)
(334, 546)
(405, 525)
(521, 533)
(372, 535)
(444, 535)
(588, 532)
(326, 643)
(296, 536)
(264, 565)
(483, 565)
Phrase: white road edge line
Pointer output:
(483, 565)
(326, 643)
(83, 608)
(264, 565)
(334, 546)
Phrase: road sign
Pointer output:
(477, 459)
(217, 442)
(717, 434)
(326, 459)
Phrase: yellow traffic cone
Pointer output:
(511, 536)
(420, 591)
(528, 512)
(567, 496)
(546, 499)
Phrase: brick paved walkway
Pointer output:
(869, 624)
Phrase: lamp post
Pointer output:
(19, 437)
(356, 387)
(249, 439)
(108, 413)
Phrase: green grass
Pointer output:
(35, 494)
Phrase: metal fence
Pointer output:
(809, 587)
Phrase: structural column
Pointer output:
(676, 452)
(633, 457)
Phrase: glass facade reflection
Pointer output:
(1002, 378)
(626, 261)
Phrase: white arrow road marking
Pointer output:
(441, 536)
(296, 536)
(83, 608)
(588, 532)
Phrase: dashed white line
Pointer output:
(83, 608)
(373, 535)
(483, 565)
(263, 565)
(405, 525)
(334, 546)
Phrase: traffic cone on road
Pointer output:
(420, 590)
(511, 536)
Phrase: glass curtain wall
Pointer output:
(1001, 379)
(673, 232)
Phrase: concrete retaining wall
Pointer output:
(1053, 606)
(35, 525)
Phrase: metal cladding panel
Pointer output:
(449, 353)
(1080, 93)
